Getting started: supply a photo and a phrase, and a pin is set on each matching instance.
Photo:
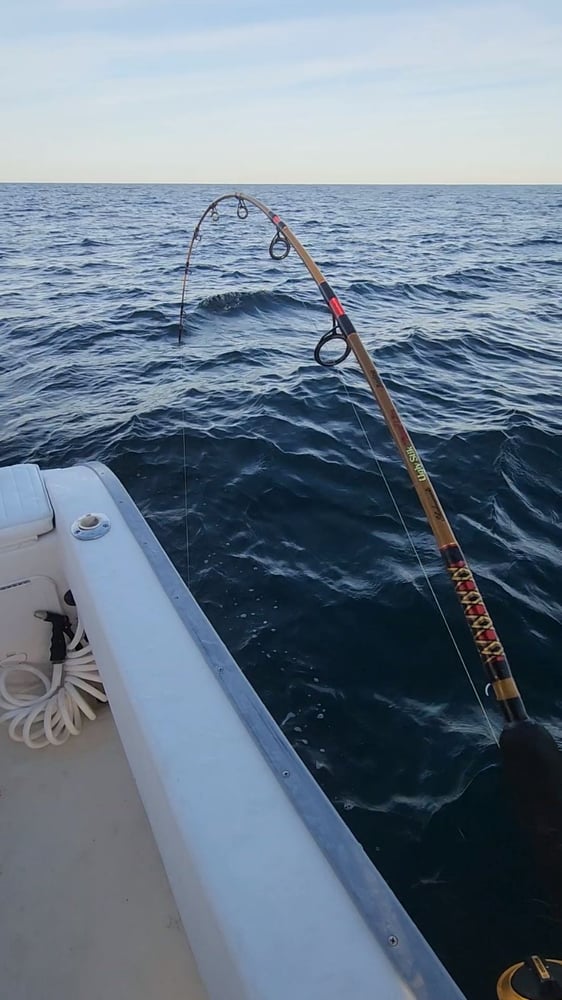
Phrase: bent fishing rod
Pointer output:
(531, 756)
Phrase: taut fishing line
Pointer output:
(186, 520)
(420, 561)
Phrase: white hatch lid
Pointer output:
(25, 508)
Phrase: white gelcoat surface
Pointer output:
(87, 911)
(25, 511)
(265, 914)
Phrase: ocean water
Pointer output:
(295, 551)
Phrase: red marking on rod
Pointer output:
(275, 218)
(336, 306)
(400, 429)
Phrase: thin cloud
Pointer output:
(494, 62)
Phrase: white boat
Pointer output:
(174, 846)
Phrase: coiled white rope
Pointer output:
(50, 716)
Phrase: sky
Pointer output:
(344, 91)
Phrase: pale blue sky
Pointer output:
(339, 92)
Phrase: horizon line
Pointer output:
(299, 183)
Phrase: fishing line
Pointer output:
(186, 518)
(419, 559)
(183, 368)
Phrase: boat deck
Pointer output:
(88, 912)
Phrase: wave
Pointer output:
(477, 277)
(260, 300)
(540, 241)
(89, 242)
(412, 290)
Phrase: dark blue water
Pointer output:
(296, 553)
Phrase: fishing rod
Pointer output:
(477, 616)
(531, 757)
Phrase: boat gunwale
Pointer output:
(386, 918)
